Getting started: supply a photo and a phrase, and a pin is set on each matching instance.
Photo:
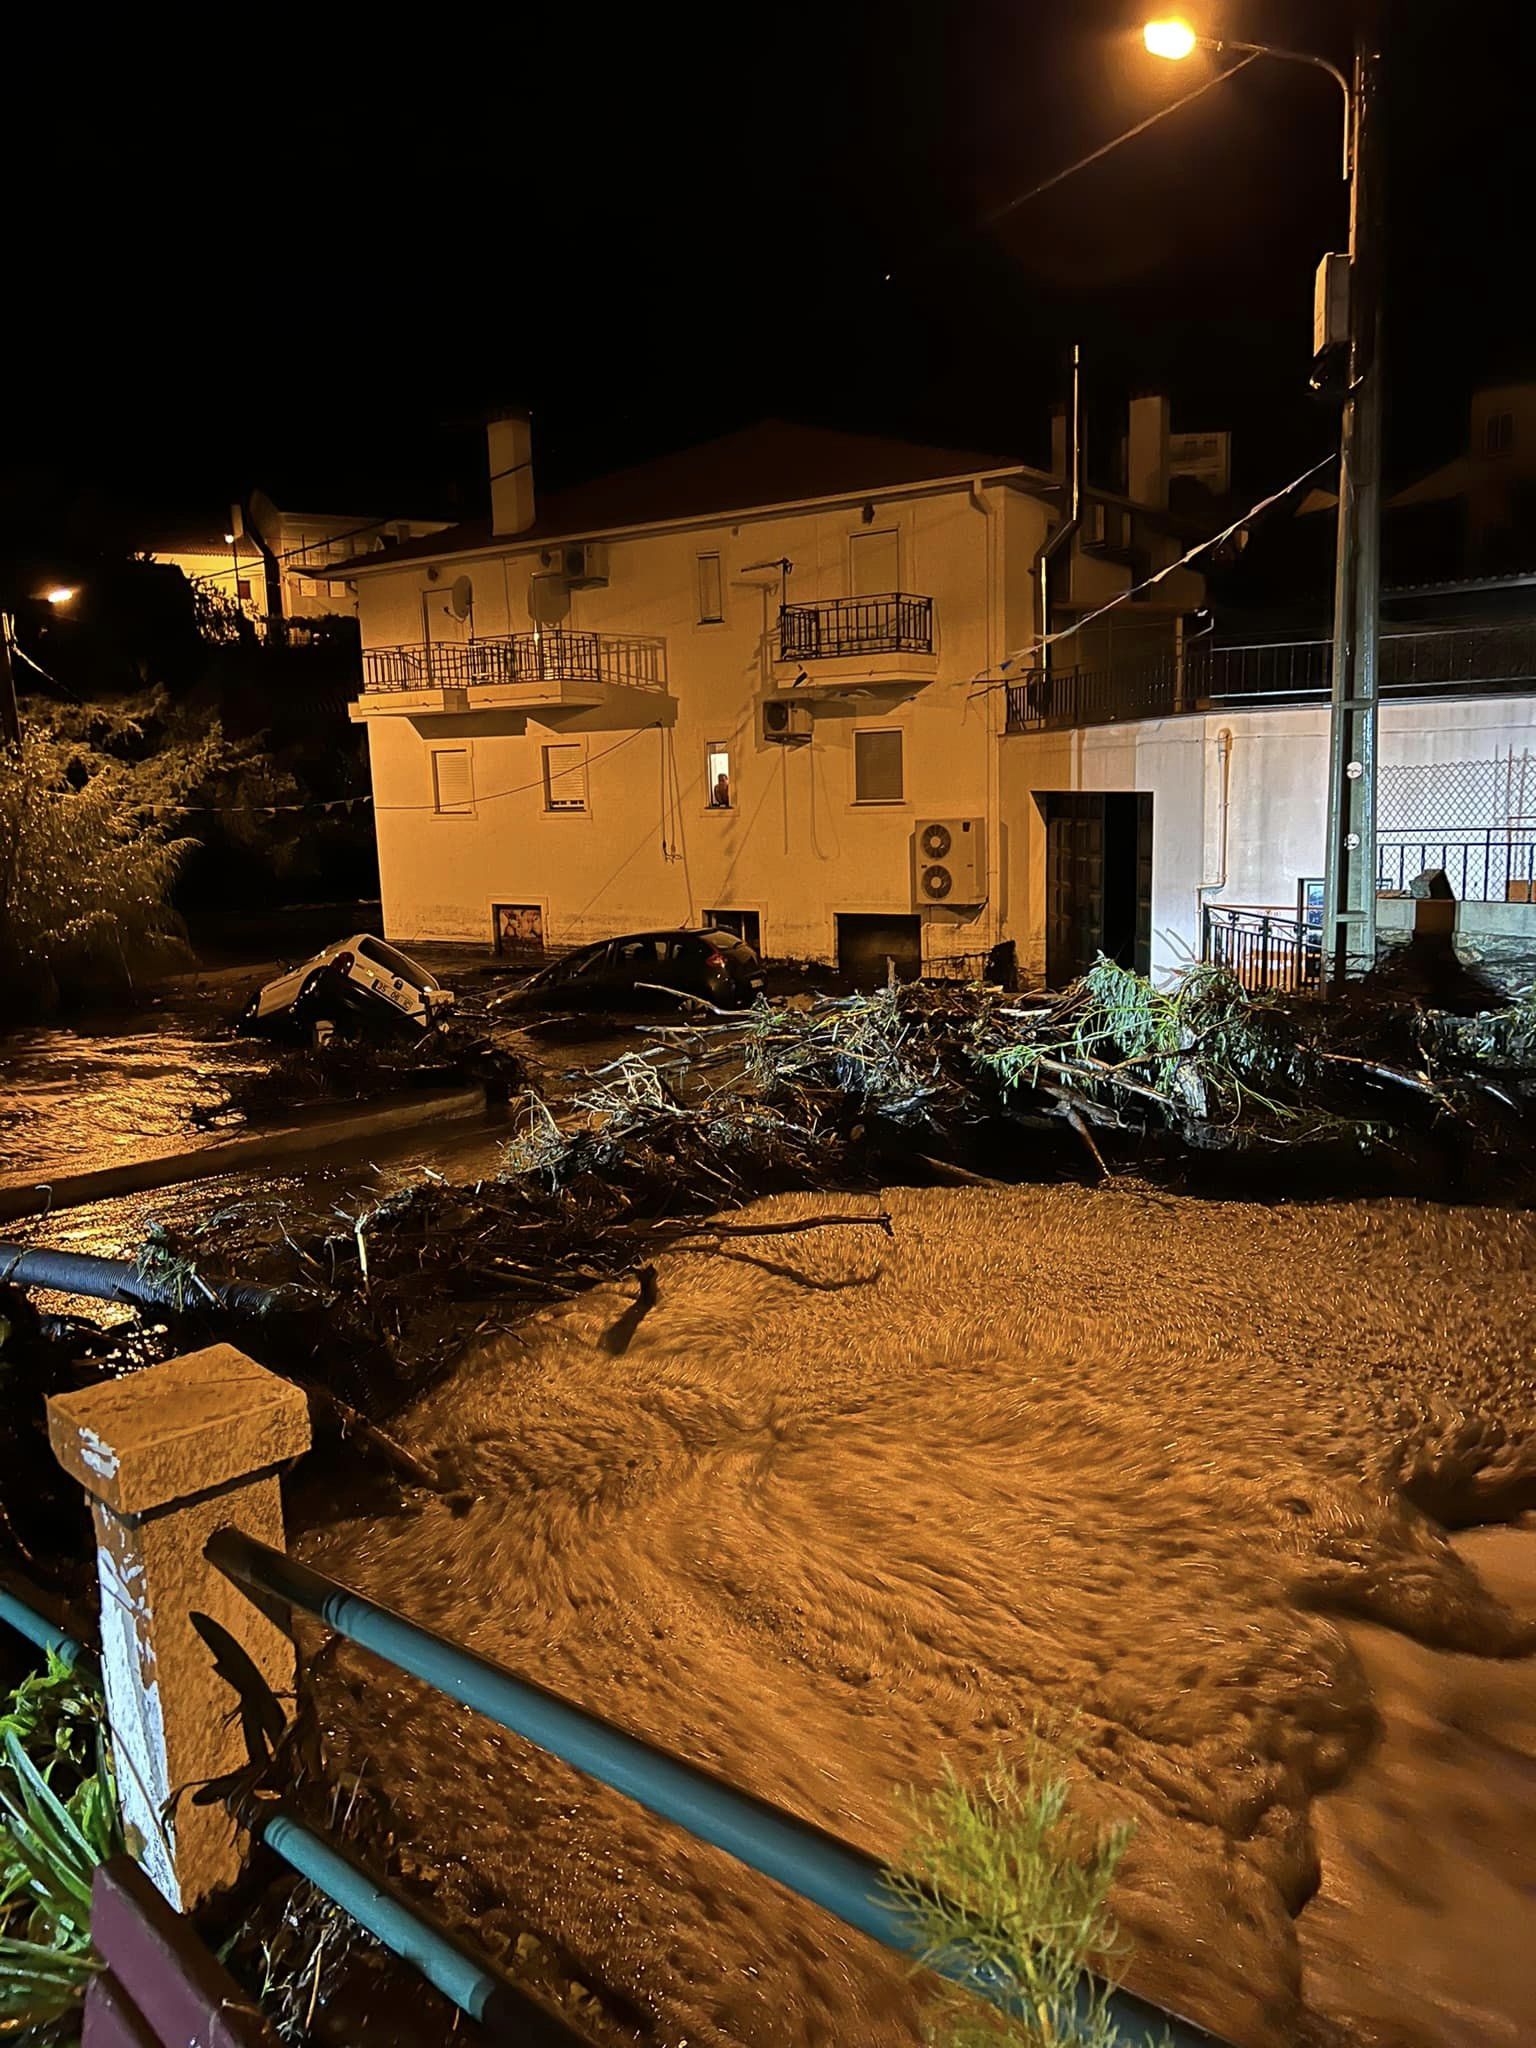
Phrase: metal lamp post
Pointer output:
(1349, 895)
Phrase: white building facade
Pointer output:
(696, 694)
(773, 715)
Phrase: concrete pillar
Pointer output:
(168, 1456)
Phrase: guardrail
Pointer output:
(892, 624)
(1268, 951)
(559, 654)
(175, 1610)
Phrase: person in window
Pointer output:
(721, 798)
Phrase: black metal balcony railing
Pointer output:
(1266, 950)
(894, 624)
(1494, 657)
(1496, 864)
(560, 655)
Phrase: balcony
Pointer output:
(868, 640)
(552, 670)
(1444, 661)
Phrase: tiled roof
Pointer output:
(773, 463)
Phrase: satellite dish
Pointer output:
(461, 599)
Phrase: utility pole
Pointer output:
(1349, 896)
(10, 712)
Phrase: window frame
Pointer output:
(705, 616)
(570, 807)
(716, 750)
(434, 754)
(879, 802)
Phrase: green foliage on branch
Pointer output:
(1005, 1884)
(58, 1820)
(89, 850)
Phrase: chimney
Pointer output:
(1146, 452)
(509, 447)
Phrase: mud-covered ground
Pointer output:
(844, 1508)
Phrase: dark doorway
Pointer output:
(1098, 882)
(865, 944)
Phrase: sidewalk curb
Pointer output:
(20, 1196)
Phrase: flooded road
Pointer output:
(845, 1509)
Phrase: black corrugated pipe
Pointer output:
(120, 1280)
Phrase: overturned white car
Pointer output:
(357, 987)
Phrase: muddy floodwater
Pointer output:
(843, 1508)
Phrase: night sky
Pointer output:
(314, 257)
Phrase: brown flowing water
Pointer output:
(843, 1508)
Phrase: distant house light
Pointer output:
(62, 593)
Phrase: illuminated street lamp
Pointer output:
(1169, 38)
(61, 593)
(1349, 894)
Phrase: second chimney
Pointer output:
(509, 446)
(1146, 452)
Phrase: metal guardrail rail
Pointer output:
(560, 654)
(464, 1978)
(806, 1859)
(892, 624)
(1440, 658)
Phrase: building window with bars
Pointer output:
(565, 776)
(878, 768)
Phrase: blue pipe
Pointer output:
(460, 1975)
(798, 1855)
(39, 1631)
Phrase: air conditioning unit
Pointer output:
(784, 723)
(949, 861)
(580, 564)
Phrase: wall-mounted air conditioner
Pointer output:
(949, 861)
(784, 723)
(580, 563)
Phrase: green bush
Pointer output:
(58, 1820)
(86, 857)
(1008, 1889)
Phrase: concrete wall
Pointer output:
(1276, 803)
(648, 849)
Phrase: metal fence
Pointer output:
(893, 624)
(561, 654)
(1497, 865)
(1266, 950)
(1460, 657)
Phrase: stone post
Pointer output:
(168, 1456)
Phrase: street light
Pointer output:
(1169, 38)
(62, 593)
(1349, 895)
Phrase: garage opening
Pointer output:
(1098, 881)
(866, 944)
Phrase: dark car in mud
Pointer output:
(643, 970)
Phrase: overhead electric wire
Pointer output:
(1039, 645)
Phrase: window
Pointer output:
(390, 960)
(453, 790)
(717, 775)
(565, 782)
(877, 766)
(519, 927)
(711, 591)
(244, 588)
(1499, 433)
(874, 563)
(742, 924)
